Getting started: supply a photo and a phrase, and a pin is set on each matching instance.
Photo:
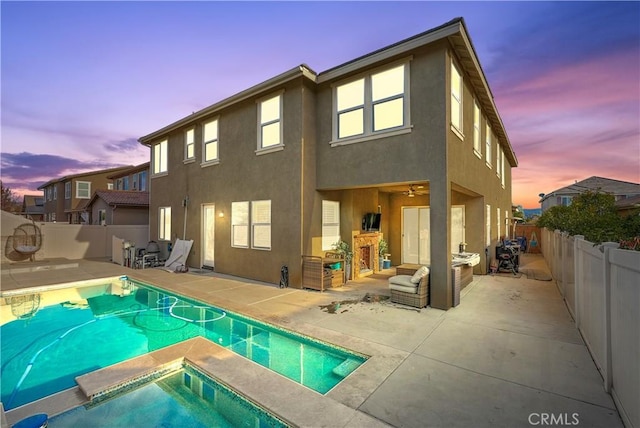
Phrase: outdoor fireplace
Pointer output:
(365, 254)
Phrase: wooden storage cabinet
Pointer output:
(317, 273)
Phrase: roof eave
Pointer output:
(296, 72)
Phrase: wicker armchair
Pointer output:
(417, 299)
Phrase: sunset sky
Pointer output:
(82, 81)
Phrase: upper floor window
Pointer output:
(142, 181)
(189, 144)
(125, 183)
(210, 141)
(372, 103)
(502, 166)
(159, 157)
(55, 193)
(164, 223)
(67, 190)
(487, 154)
(110, 186)
(134, 181)
(83, 189)
(456, 98)
(49, 194)
(270, 122)
(476, 129)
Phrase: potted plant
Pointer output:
(383, 249)
(344, 250)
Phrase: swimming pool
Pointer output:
(79, 330)
(185, 398)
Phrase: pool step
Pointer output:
(346, 367)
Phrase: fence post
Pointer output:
(578, 285)
(606, 269)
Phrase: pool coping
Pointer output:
(269, 389)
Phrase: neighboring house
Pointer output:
(65, 199)
(122, 207)
(563, 196)
(33, 207)
(628, 206)
(135, 178)
(293, 164)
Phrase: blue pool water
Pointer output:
(43, 354)
(184, 399)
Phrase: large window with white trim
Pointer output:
(330, 224)
(270, 122)
(476, 129)
(210, 141)
(67, 190)
(502, 166)
(159, 157)
(374, 103)
(261, 225)
(164, 223)
(83, 189)
(456, 98)
(189, 144)
(487, 150)
(240, 224)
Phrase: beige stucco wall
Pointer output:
(70, 241)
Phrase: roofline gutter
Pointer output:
(296, 72)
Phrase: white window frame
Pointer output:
(330, 224)
(240, 224)
(159, 158)
(67, 190)
(213, 141)
(78, 190)
(457, 95)
(368, 106)
(487, 149)
(261, 149)
(190, 145)
(502, 167)
(477, 129)
(488, 225)
(261, 225)
(498, 224)
(498, 159)
(109, 186)
(164, 223)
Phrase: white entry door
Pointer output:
(208, 234)
(416, 239)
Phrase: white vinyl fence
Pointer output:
(601, 286)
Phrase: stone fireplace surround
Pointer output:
(361, 240)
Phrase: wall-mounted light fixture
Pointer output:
(221, 214)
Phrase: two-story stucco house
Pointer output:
(293, 164)
(65, 198)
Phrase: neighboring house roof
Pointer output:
(83, 174)
(605, 185)
(454, 31)
(122, 197)
(33, 204)
(132, 170)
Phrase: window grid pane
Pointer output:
(270, 110)
(261, 224)
(350, 95)
(210, 140)
(271, 134)
(387, 83)
(388, 114)
(351, 123)
(189, 141)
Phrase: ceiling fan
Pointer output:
(414, 190)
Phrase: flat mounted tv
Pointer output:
(371, 222)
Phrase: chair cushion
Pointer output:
(420, 273)
(403, 283)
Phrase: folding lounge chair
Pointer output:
(178, 256)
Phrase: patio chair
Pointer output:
(177, 261)
(27, 239)
(410, 286)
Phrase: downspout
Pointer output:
(185, 202)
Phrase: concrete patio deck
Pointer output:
(509, 355)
